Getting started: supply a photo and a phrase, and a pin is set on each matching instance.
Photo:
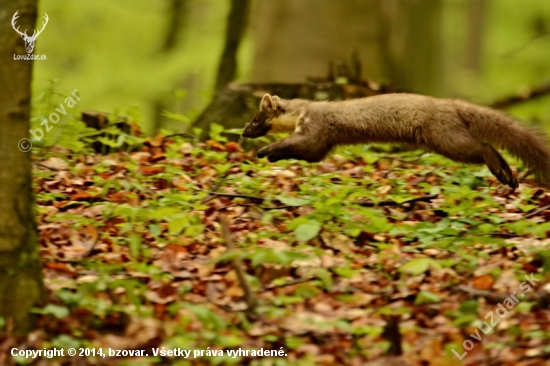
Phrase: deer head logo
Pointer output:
(29, 40)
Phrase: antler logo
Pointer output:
(29, 41)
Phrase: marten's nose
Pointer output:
(249, 134)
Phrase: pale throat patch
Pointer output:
(284, 123)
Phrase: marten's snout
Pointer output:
(249, 134)
(255, 129)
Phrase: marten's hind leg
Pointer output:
(499, 167)
(468, 150)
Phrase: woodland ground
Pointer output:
(346, 260)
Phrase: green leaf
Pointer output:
(135, 244)
(222, 168)
(526, 208)
(177, 224)
(464, 320)
(56, 310)
(426, 297)
(346, 272)
(325, 277)
(418, 266)
(307, 292)
(520, 227)
(257, 257)
(65, 341)
(524, 306)
(177, 117)
(216, 132)
(163, 213)
(294, 342)
(469, 307)
(228, 256)
(155, 230)
(307, 231)
(294, 223)
(293, 201)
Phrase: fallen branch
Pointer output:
(211, 196)
(537, 211)
(516, 99)
(369, 203)
(524, 174)
(525, 44)
(237, 265)
(289, 283)
(45, 166)
(236, 195)
(540, 298)
(277, 207)
(491, 297)
(182, 135)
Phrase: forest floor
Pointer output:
(368, 258)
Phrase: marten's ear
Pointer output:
(276, 101)
(267, 103)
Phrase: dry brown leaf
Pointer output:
(483, 282)
(338, 241)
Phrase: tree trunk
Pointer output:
(175, 24)
(177, 20)
(21, 285)
(476, 19)
(296, 39)
(236, 24)
(395, 41)
(421, 63)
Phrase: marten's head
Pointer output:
(264, 121)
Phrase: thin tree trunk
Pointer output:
(476, 17)
(236, 25)
(421, 65)
(384, 24)
(177, 20)
(21, 285)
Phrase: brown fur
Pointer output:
(456, 129)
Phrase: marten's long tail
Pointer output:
(504, 132)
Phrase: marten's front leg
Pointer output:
(276, 151)
(297, 147)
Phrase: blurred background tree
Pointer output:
(167, 55)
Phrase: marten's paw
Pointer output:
(271, 156)
(263, 152)
(274, 154)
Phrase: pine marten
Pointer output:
(458, 130)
